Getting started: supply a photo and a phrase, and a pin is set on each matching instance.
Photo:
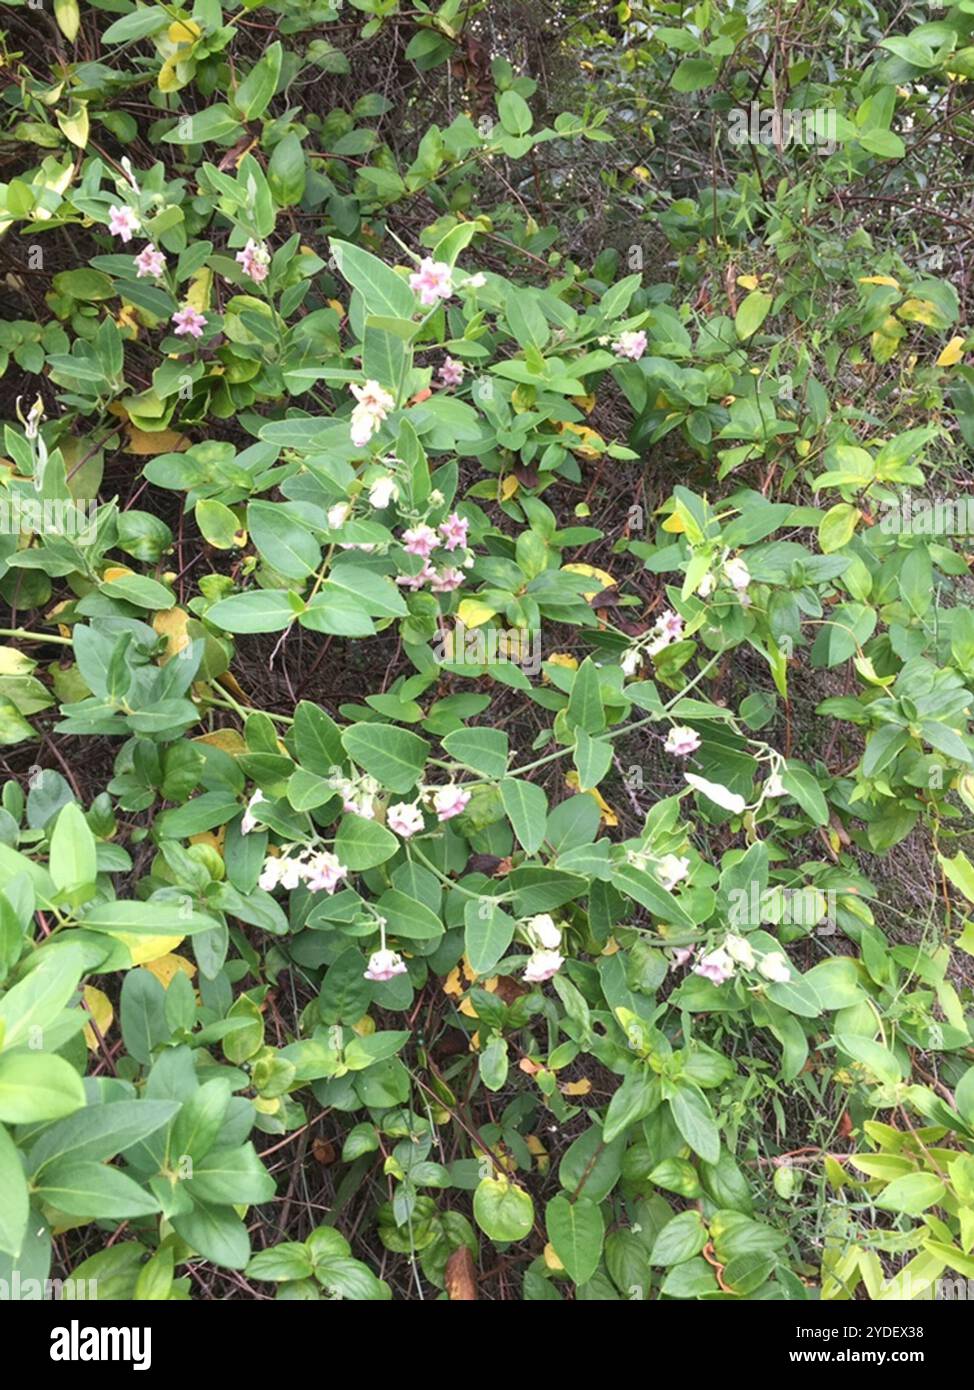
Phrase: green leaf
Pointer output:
(14, 1197)
(214, 123)
(633, 1101)
(679, 1240)
(585, 702)
(694, 1119)
(73, 854)
(173, 918)
(912, 1194)
(35, 1002)
(363, 844)
(488, 931)
(395, 757)
(693, 74)
(407, 917)
(515, 113)
(576, 1230)
(253, 96)
(503, 1211)
(37, 1086)
(261, 610)
(383, 291)
(318, 740)
(282, 541)
(592, 758)
(873, 1055)
(95, 1191)
(752, 312)
(484, 750)
(526, 807)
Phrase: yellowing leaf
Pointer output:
(586, 403)
(609, 817)
(576, 1088)
(229, 740)
(157, 442)
(452, 985)
(213, 838)
(99, 1006)
(565, 659)
(592, 572)
(466, 1007)
(952, 353)
(198, 294)
(748, 282)
(171, 624)
(143, 949)
(920, 311)
(879, 280)
(115, 572)
(590, 445)
(674, 524)
(509, 486)
(551, 1259)
(184, 31)
(167, 967)
(473, 613)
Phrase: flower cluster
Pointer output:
(255, 260)
(422, 540)
(543, 935)
(720, 964)
(318, 870)
(433, 281)
(631, 345)
(358, 794)
(374, 404)
(667, 629)
(734, 572)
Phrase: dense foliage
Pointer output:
(487, 690)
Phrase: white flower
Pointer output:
(405, 819)
(739, 950)
(250, 821)
(339, 514)
(774, 786)
(706, 586)
(324, 872)
(543, 931)
(374, 404)
(542, 965)
(672, 869)
(737, 573)
(475, 282)
(383, 491)
(631, 661)
(384, 965)
(774, 967)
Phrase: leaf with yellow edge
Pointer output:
(214, 838)
(99, 1006)
(75, 124)
(585, 403)
(565, 659)
(551, 1259)
(167, 967)
(183, 32)
(466, 1007)
(748, 282)
(674, 524)
(509, 486)
(609, 817)
(952, 353)
(115, 572)
(592, 572)
(921, 311)
(879, 280)
(590, 445)
(473, 613)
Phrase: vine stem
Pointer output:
(25, 636)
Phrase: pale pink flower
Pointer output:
(325, 872)
(149, 262)
(717, 966)
(737, 573)
(405, 819)
(384, 965)
(374, 404)
(433, 281)
(454, 531)
(631, 345)
(416, 581)
(122, 222)
(446, 580)
(450, 801)
(255, 260)
(384, 490)
(475, 282)
(189, 320)
(542, 965)
(670, 625)
(680, 957)
(420, 540)
(630, 661)
(451, 372)
(681, 741)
